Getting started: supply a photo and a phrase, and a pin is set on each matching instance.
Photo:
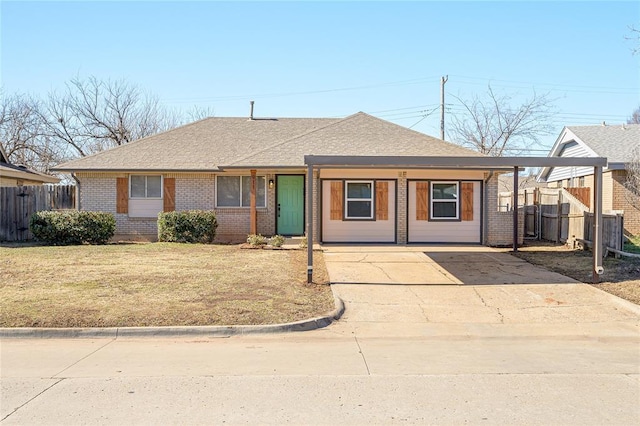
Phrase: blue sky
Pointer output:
(333, 58)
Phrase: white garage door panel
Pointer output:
(356, 231)
(424, 231)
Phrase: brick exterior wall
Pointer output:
(499, 225)
(234, 224)
(197, 191)
(401, 235)
(621, 201)
(193, 191)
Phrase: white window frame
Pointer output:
(433, 200)
(258, 206)
(347, 199)
(131, 197)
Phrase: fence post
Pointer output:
(559, 216)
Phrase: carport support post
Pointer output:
(597, 223)
(515, 208)
(309, 224)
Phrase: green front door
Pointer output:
(290, 208)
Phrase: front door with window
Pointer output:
(290, 205)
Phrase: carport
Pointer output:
(489, 164)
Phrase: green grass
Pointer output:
(632, 245)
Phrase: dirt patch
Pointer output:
(621, 276)
(157, 284)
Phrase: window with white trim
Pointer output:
(444, 200)
(359, 200)
(235, 191)
(143, 186)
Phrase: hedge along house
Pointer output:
(252, 172)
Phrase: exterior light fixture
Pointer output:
(271, 183)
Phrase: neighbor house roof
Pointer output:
(21, 172)
(614, 142)
(217, 142)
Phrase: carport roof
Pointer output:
(449, 162)
(488, 163)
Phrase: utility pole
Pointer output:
(443, 80)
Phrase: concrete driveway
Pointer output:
(467, 290)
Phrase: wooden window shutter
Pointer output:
(422, 200)
(169, 195)
(382, 200)
(122, 195)
(337, 200)
(467, 201)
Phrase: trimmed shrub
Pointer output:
(303, 242)
(69, 227)
(277, 241)
(190, 226)
(256, 240)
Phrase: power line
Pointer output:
(425, 116)
(557, 86)
(309, 92)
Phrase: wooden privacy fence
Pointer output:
(563, 216)
(612, 230)
(18, 203)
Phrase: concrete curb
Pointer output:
(617, 300)
(207, 331)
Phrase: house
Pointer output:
(616, 142)
(12, 175)
(252, 172)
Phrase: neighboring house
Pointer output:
(252, 173)
(12, 175)
(525, 181)
(615, 142)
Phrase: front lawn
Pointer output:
(159, 284)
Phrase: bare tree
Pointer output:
(198, 113)
(632, 184)
(94, 115)
(635, 117)
(21, 133)
(492, 126)
(634, 36)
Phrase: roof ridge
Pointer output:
(424, 134)
(292, 138)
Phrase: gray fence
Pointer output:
(18, 203)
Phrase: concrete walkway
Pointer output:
(467, 290)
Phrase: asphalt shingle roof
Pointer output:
(614, 142)
(239, 142)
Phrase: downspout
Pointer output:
(485, 219)
(73, 175)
